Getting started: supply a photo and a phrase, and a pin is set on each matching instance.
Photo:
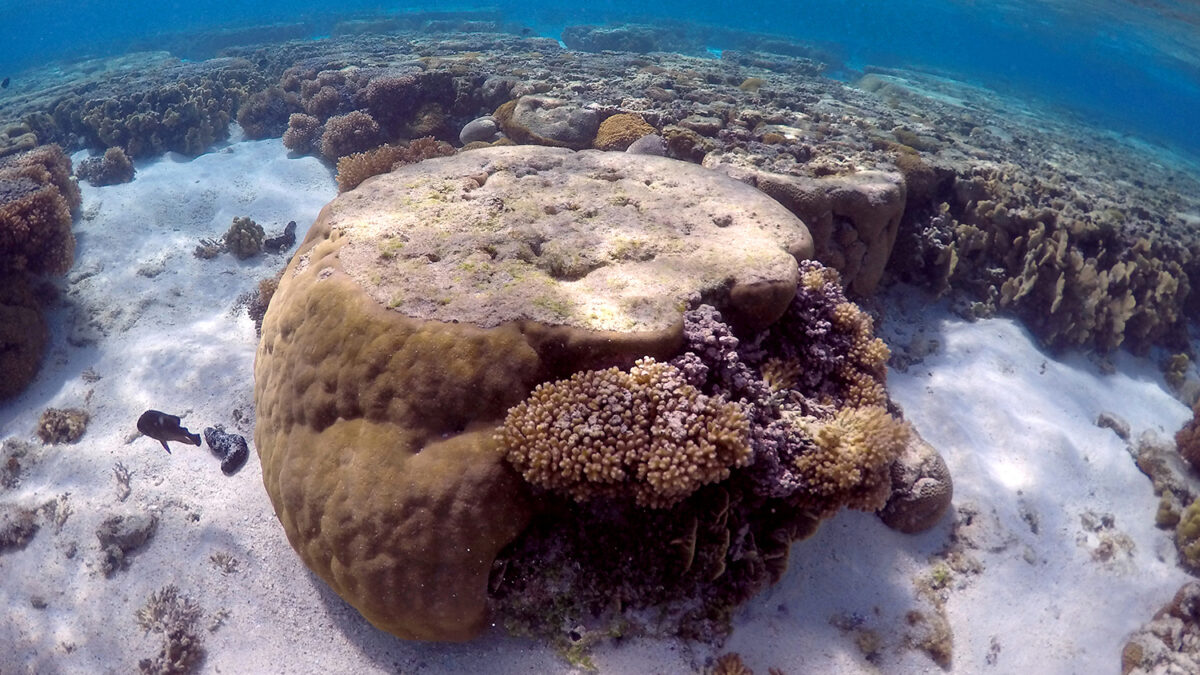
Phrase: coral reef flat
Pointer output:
(1030, 274)
(1040, 487)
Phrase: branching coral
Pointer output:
(646, 434)
(391, 99)
(852, 457)
(114, 167)
(354, 169)
(244, 238)
(266, 113)
(346, 134)
(174, 615)
(302, 133)
(37, 196)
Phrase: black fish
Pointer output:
(4, 84)
(526, 31)
(163, 427)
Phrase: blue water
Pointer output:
(1130, 66)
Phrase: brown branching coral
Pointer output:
(244, 238)
(645, 433)
(113, 168)
(853, 455)
(37, 196)
(864, 373)
(302, 133)
(350, 133)
(354, 169)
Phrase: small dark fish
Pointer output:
(231, 448)
(163, 427)
(524, 31)
(4, 84)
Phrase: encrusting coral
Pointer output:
(644, 434)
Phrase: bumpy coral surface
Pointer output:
(37, 196)
(1187, 439)
(23, 334)
(244, 237)
(595, 240)
(645, 433)
(353, 132)
(618, 131)
(114, 167)
(376, 419)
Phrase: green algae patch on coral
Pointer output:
(563, 250)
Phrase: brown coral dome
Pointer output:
(427, 302)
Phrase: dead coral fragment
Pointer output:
(59, 425)
(646, 434)
(853, 456)
(174, 615)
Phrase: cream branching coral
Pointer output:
(852, 457)
(645, 433)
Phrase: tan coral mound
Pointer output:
(645, 433)
(423, 305)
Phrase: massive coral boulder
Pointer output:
(854, 218)
(427, 302)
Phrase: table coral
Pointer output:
(645, 434)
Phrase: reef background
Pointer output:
(1130, 65)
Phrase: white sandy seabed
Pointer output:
(1039, 489)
